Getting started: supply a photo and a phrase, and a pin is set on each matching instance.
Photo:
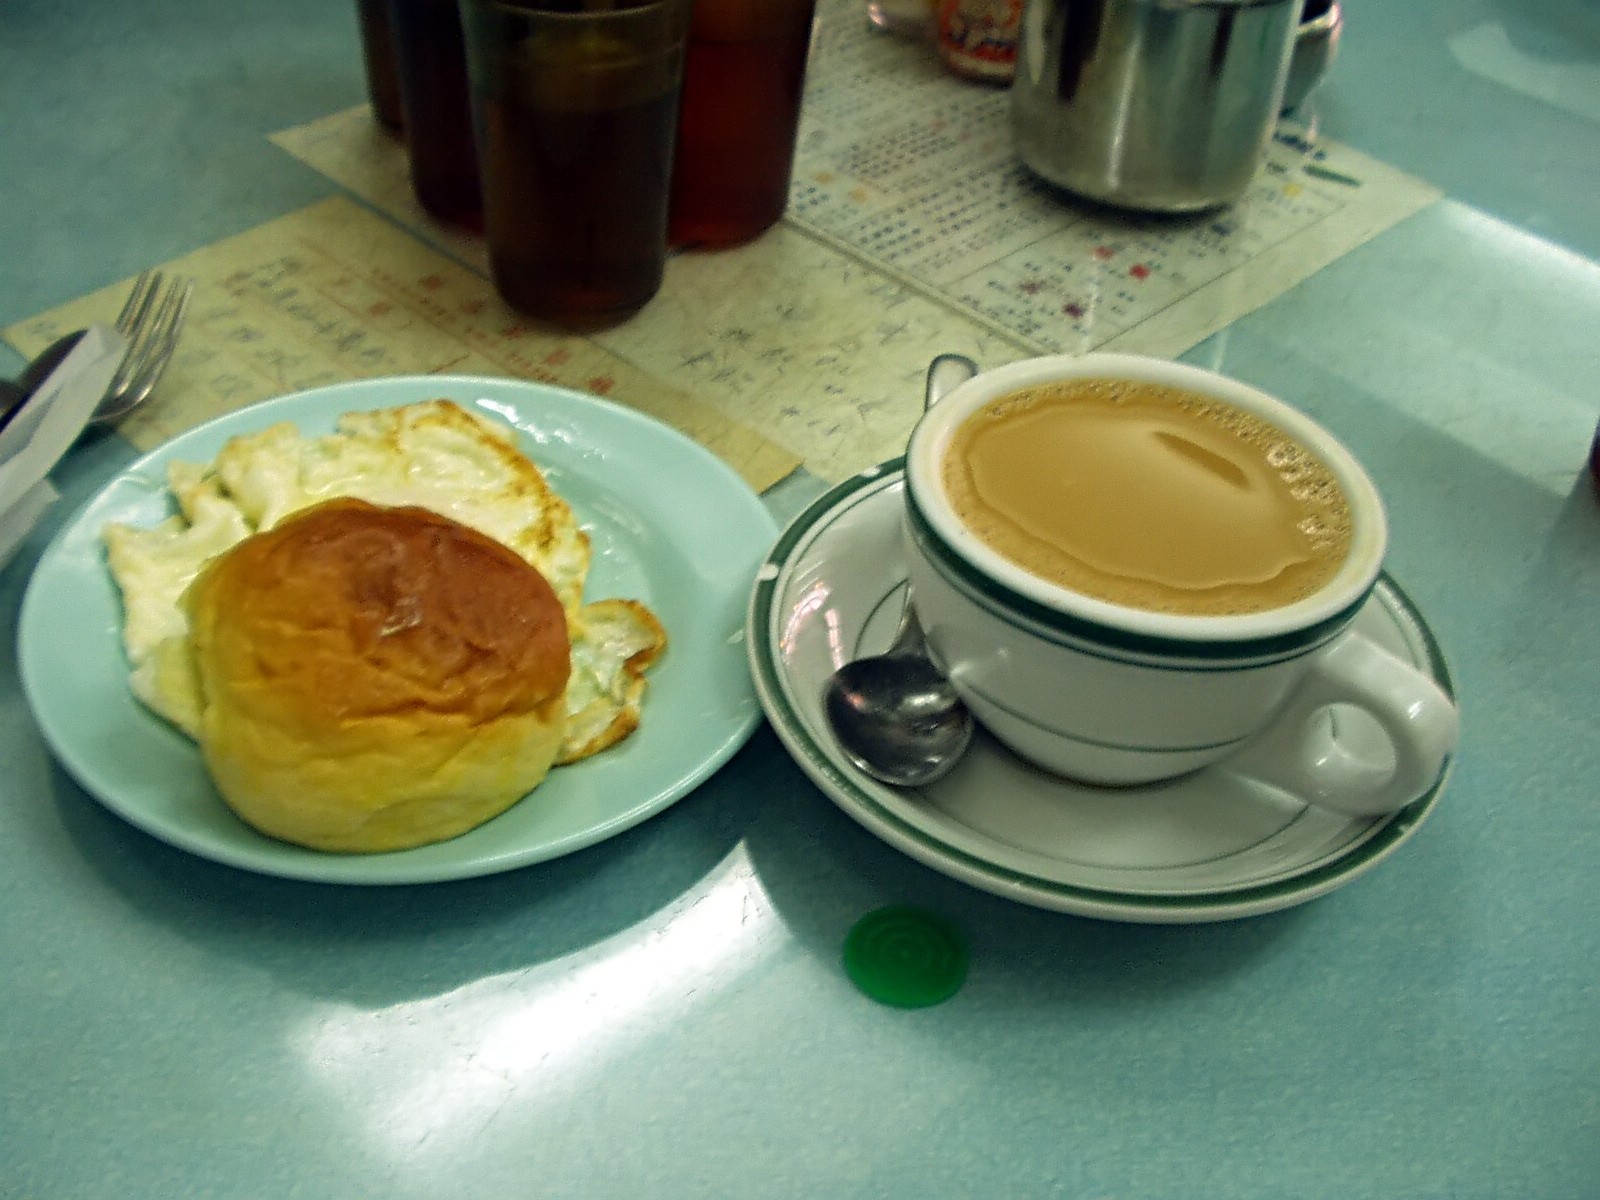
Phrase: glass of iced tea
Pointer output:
(377, 55)
(433, 95)
(576, 111)
(742, 89)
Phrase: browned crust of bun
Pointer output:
(376, 678)
(348, 610)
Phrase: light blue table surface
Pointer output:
(169, 1027)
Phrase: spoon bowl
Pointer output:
(895, 714)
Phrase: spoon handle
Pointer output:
(48, 359)
(908, 636)
(14, 395)
(11, 398)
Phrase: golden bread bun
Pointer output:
(376, 678)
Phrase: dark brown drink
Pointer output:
(575, 205)
(377, 55)
(437, 110)
(742, 86)
(576, 113)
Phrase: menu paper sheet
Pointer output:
(913, 230)
(820, 351)
(915, 172)
(333, 293)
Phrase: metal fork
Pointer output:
(150, 320)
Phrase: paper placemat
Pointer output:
(822, 353)
(333, 293)
(914, 171)
(912, 230)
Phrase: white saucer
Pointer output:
(1209, 846)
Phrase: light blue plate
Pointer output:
(671, 525)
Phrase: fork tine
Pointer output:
(140, 329)
(139, 297)
(152, 339)
(163, 337)
(158, 336)
(162, 330)
(131, 323)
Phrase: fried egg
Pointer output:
(434, 454)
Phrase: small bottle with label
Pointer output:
(978, 38)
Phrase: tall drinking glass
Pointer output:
(436, 110)
(377, 55)
(575, 111)
(742, 89)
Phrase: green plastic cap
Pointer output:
(905, 957)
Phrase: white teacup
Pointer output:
(1111, 694)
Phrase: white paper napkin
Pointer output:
(36, 438)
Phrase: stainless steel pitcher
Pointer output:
(1161, 105)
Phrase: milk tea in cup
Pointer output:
(1149, 496)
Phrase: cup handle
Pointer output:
(1415, 714)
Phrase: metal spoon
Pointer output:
(895, 714)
